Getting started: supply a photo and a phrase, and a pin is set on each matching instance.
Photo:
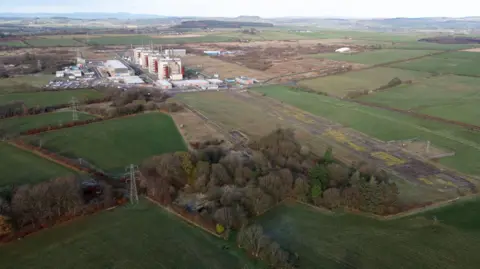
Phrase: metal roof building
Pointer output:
(117, 68)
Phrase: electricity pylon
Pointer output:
(132, 172)
(73, 106)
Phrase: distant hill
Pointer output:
(221, 24)
(81, 15)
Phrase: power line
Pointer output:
(73, 106)
(132, 173)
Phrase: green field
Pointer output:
(144, 39)
(458, 63)
(450, 97)
(49, 97)
(21, 167)
(343, 240)
(376, 56)
(264, 35)
(113, 144)
(369, 79)
(22, 83)
(388, 125)
(20, 124)
(53, 42)
(16, 43)
(140, 236)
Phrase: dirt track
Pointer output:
(387, 156)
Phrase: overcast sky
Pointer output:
(264, 8)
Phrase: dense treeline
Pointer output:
(131, 102)
(227, 187)
(35, 206)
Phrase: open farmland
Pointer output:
(450, 97)
(145, 39)
(21, 167)
(53, 42)
(47, 98)
(350, 241)
(113, 144)
(21, 83)
(458, 63)
(13, 43)
(140, 236)
(376, 56)
(387, 125)
(212, 66)
(342, 84)
(17, 125)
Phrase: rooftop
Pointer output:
(115, 64)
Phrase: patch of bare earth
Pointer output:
(473, 50)
(211, 66)
(193, 128)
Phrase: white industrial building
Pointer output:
(190, 83)
(215, 81)
(117, 68)
(343, 50)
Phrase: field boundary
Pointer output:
(415, 114)
(43, 155)
(172, 211)
(386, 65)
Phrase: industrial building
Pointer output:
(190, 83)
(245, 80)
(215, 81)
(163, 84)
(162, 64)
(175, 52)
(117, 68)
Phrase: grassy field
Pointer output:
(144, 39)
(113, 144)
(370, 79)
(387, 125)
(16, 43)
(264, 35)
(458, 63)
(21, 167)
(18, 83)
(139, 236)
(344, 240)
(376, 56)
(451, 97)
(49, 98)
(53, 42)
(462, 215)
(20, 124)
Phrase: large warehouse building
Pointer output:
(117, 68)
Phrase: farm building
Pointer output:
(343, 50)
(117, 68)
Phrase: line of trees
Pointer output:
(43, 204)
